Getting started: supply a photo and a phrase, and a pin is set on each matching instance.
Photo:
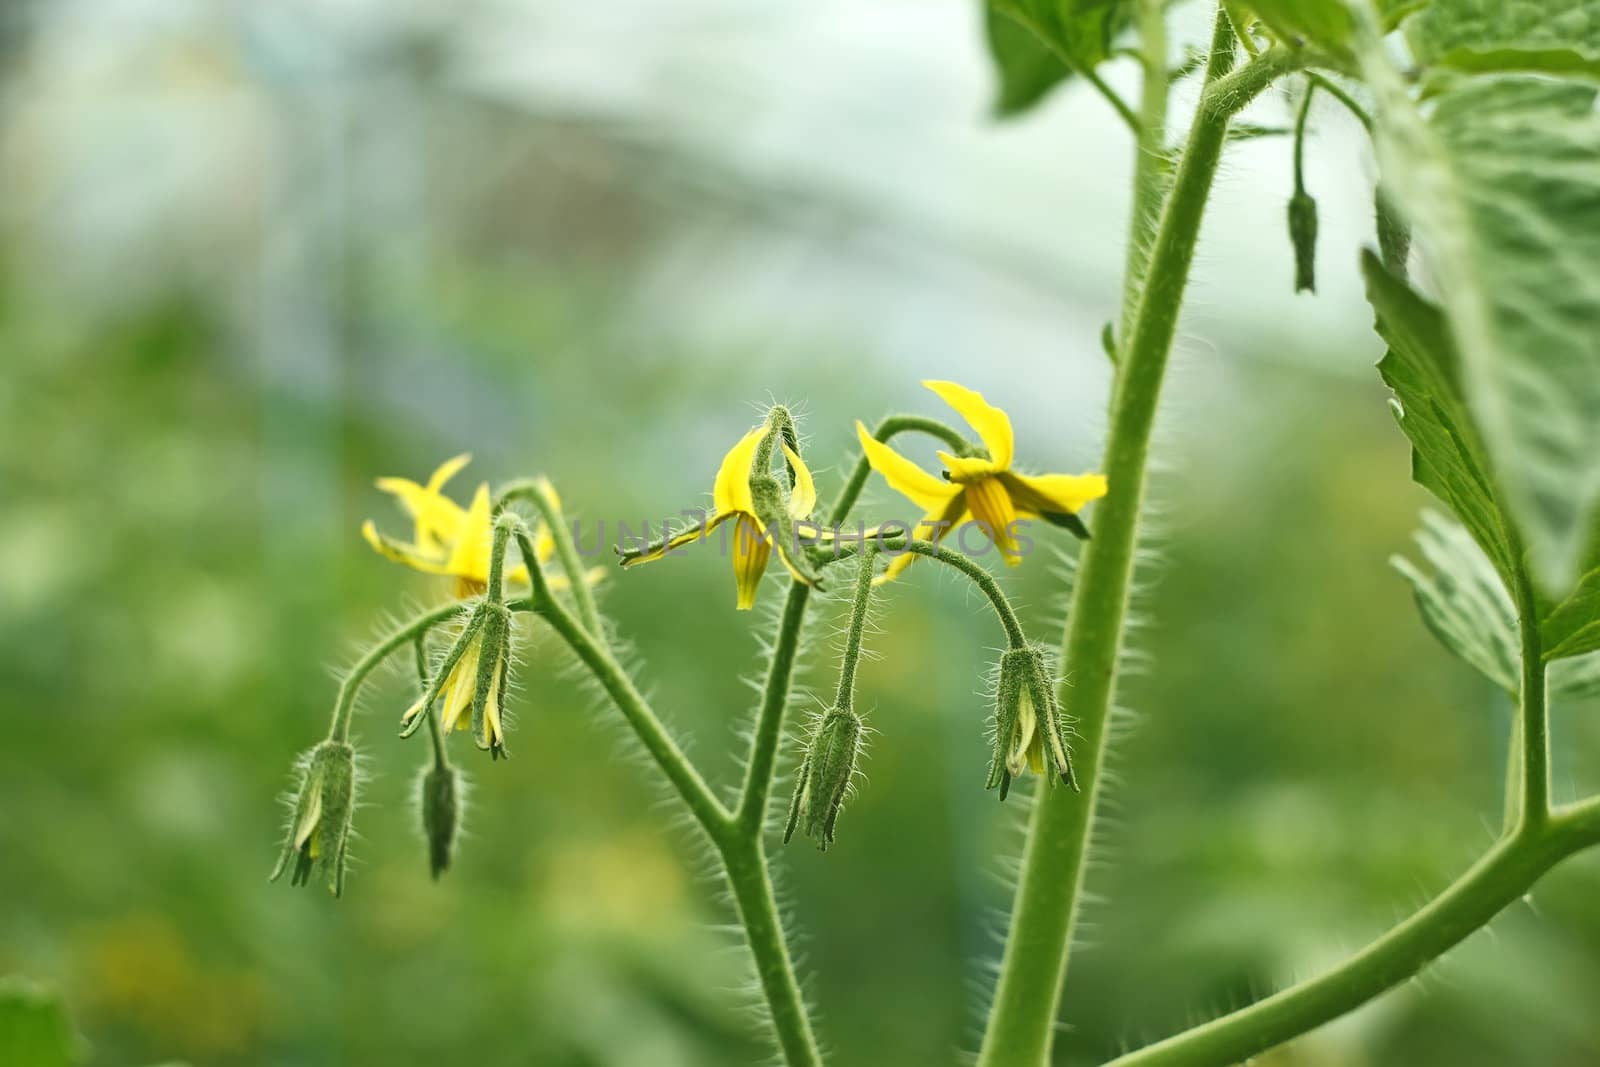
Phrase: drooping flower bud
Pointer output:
(472, 678)
(1030, 728)
(1303, 235)
(824, 777)
(441, 811)
(320, 827)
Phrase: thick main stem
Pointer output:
(1150, 162)
(1021, 1024)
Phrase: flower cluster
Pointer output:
(766, 497)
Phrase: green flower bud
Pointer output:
(1303, 235)
(472, 678)
(441, 809)
(824, 778)
(1030, 729)
(320, 828)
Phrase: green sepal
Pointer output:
(492, 659)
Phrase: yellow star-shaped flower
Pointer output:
(982, 488)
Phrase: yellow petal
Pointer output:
(458, 689)
(447, 470)
(992, 425)
(751, 549)
(411, 555)
(678, 540)
(966, 469)
(592, 576)
(991, 506)
(731, 492)
(804, 496)
(905, 477)
(437, 518)
(1046, 494)
(469, 556)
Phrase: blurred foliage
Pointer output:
(186, 458)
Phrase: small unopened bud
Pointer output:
(1030, 729)
(441, 812)
(1303, 235)
(320, 827)
(824, 778)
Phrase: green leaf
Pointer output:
(1420, 367)
(1502, 185)
(1328, 24)
(1463, 602)
(1575, 679)
(1027, 70)
(1036, 44)
(1573, 628)
(1550, 36)
(34, 1031)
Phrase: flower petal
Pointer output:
(905, 477)
(751, 549)
(447, 470)
(992, 424)
(437, 518)
(469, 556)
(804, 496)
(731, 492)
(412, 556)
(1047, 494)
(963, 470)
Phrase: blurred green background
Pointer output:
(253, 256)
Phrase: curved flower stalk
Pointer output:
(981, 487)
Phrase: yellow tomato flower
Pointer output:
(981, 488)
(731, 498)
(452, 540)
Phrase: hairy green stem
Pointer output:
(1503, 876)
(344, 704)
(441, 756)
(844, 697)
(1150, 162)
(888, 428)
(1033, 969)
(746, 863)
(685, 779)
(751, 810)
(539, 493)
